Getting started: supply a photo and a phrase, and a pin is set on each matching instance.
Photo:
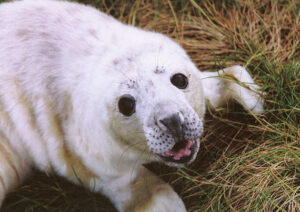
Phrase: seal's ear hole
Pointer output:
(180, 80)
(127, 105)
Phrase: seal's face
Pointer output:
(157, 111)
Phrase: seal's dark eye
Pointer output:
(180, 81)
(127, 105)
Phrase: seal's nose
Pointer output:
(173, 123)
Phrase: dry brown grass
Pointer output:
(249, 28)
(247, 162)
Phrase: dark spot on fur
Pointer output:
(116, 61)
(151, 83)
(49, 50)
(23, 32)
(159, 70)
(93, 33)
(44, 34)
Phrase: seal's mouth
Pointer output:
(183, 152)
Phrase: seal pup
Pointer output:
(92, 99)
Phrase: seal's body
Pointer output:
(93, 99)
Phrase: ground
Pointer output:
(246, 162)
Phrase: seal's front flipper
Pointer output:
(231, 83)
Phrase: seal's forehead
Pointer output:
(166, 63)
(153, 66)
(150, 72)
(137, 83)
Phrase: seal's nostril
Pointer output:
(174, 125)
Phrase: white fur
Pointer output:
(63, 68)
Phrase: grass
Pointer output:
(246, 162)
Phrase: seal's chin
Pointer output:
(183, 153)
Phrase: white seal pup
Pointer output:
(93, 99)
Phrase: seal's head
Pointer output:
(158, 105)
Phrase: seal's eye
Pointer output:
(180, 81)
(127, 105)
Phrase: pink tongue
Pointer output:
(181, 153)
